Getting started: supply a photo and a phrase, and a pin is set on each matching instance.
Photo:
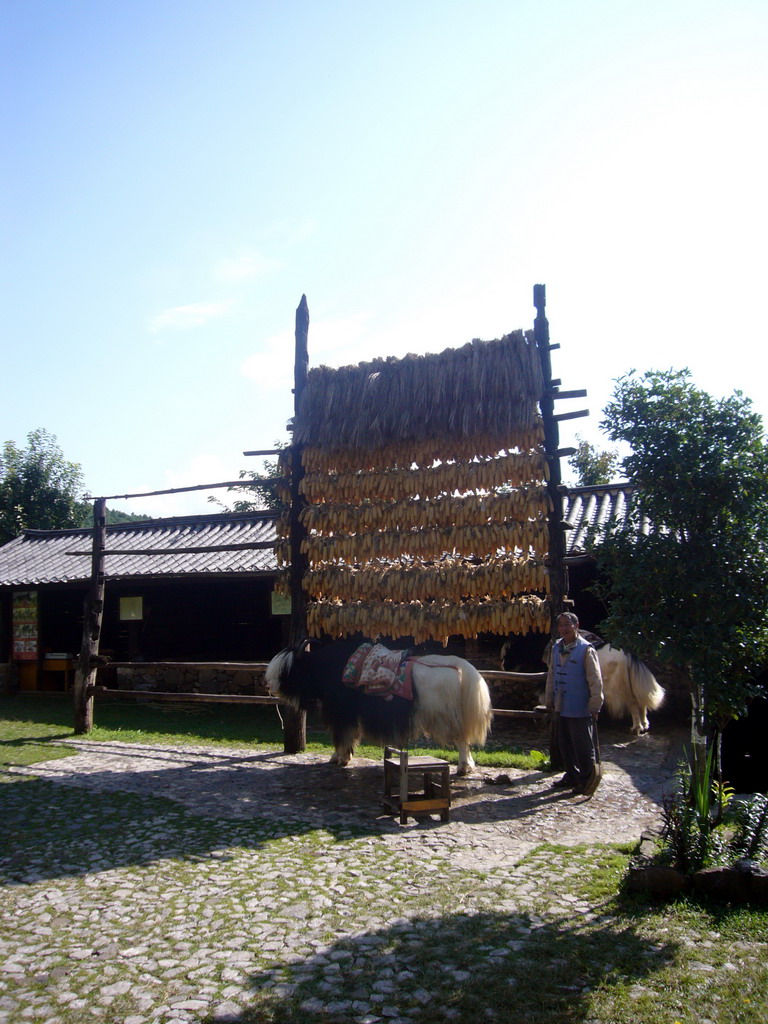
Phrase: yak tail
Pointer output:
(475, 703)
(452, 713)
(642, 681)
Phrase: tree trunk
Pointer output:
(698, 727)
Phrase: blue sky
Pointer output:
(176, 174)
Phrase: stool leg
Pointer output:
(403, 785)
(446, 788)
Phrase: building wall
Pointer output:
(219, 619)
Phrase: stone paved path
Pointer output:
(498, 815)
(303, 878)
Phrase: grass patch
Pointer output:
(24, 752)
(32, 726)
(28, 737)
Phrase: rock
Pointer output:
(743, 882)
(657, 879)
(722, 884)
(207, 681)
(749, 867)
(243, 682)
(758, 889)
(648, 845)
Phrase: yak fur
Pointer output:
(629, 686)
(451, 705)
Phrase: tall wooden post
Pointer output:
(558, 571)
(85, 673)
(295, 722)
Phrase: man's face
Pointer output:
(566, 629)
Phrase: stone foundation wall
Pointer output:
(188, 680)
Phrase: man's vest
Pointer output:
(571, 687)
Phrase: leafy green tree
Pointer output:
(593, 466)
(686, 576)
(257, 497)
(39, 488)
(115, 516)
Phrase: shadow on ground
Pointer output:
(463, 968)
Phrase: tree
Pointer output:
(39, 488)
(114, 516)
(593, 466)
(690, 588)
(259, 496)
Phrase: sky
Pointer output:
(175, 174)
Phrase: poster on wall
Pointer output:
(25, 625)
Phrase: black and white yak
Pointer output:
(450, 704)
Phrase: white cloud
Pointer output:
(245, 267)
(184, 318)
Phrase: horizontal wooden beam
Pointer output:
(580, 393)
(571, 415)
(229, 666)
(267, 451)
(260, 666)
(540, 714)
(198, 487)
(514, 677)
(199, 698)
(564, 453)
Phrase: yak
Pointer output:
(441, 697)
(629, 686)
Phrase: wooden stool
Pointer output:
(399, 769)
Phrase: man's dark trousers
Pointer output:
(576, 748)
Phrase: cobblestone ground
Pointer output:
(161, 885)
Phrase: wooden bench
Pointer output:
(404, 794)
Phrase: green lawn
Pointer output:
(32, 726)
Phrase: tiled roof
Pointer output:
(39, 556)
(586, 508)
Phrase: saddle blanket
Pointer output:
(380, 672)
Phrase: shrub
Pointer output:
(698, 834)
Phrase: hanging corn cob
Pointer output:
(446, 510)
(424, 454)
(449, 580)
(428, 621)
(396, 484)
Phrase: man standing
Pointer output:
(575, 692)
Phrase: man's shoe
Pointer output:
(564, 783)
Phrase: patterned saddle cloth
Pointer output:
(380, 672)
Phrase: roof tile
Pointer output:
(40, 556)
